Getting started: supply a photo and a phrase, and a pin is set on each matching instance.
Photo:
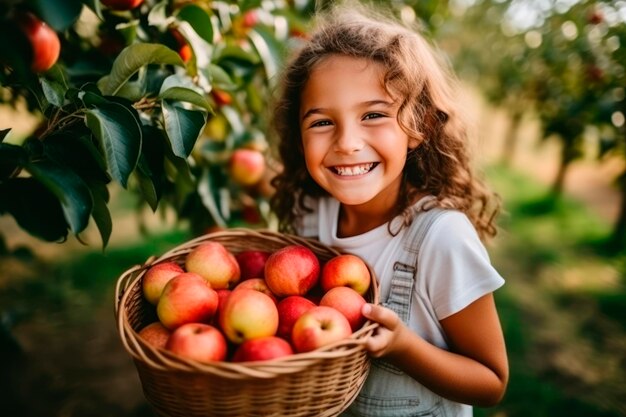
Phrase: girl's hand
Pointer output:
(385, 339)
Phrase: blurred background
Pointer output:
(128, 127)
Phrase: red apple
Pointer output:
(246, 166)
(292, 270)
(155, 334)
(222, 98)
(289, 311)
(257, 284)
(348, 302)
(222, 295)
(198, 341)
(215, 263)
(346, 271)
(156, 277)
(252, 263)
(248, 314)
(320, 326)
(262, 349)
(187, 298)
(44, 41)
(121, 4)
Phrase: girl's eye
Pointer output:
(320, 123)
(373, 116)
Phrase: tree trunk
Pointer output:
(510, 141)
(619, 230)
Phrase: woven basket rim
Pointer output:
(164, 360)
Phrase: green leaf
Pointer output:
(53, 91)
(95, 6)
(69, 188)
(120, 138)
(147, 188)
(131, 59)
(12, 157)
(183, 127)
(199, 19)
(158, 16)
(58, 14)
(100, 213)
(4, 133)
(220, 78)
(34, 208)
(269, 50)
(186, 95)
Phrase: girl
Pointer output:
(371, 142)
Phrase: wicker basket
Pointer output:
(319, 383)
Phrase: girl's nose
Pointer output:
(348, 140)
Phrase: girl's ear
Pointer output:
(414, 143)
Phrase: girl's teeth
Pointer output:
(354, 170)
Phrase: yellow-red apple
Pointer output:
(252, 263)
(198, 341)
(156, 277)
(246, 166)
(320, 326)
(262, 349)
(348, 302)
(215, 263)
(44, 41)
(346, 270)
(187, 298)
(292, 270)
(155, 334)
(248, 314)
(222, 295)
(257, 284)
(289, 311)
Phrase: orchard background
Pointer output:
(130, 126)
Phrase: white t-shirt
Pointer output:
(454, 269)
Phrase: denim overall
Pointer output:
(388, 392)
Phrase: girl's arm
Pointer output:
(475, 369)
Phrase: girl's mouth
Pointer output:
(353, 170)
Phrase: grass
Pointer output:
(561, 309)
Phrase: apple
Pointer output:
(320, 326)
(186, 298)
(346, 270)
(257, 284)
(121, 4)
(215, 263)
(292, 270)
(155, 334)
(252, 263)
(289, 310)
(348, 302)
(198, 341)
(248, 314)
(44, 41)
(246, 166)
(156, 277)
(222, 98)
(262, 349)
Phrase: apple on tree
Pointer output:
(186, 298)
(320, 326)
(348, 271)
(198, 341)
(248, 314)
(262, 349)
(215, 263)
(292, 270)
(246, 166)
(348, 302)
(156, 277)
(44, 41)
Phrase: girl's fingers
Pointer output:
(382, 315)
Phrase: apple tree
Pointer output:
(156, 96)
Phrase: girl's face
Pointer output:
(354, 147)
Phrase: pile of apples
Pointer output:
(253, 305)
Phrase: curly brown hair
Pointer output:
(429, 113)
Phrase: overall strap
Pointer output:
(405, 268)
